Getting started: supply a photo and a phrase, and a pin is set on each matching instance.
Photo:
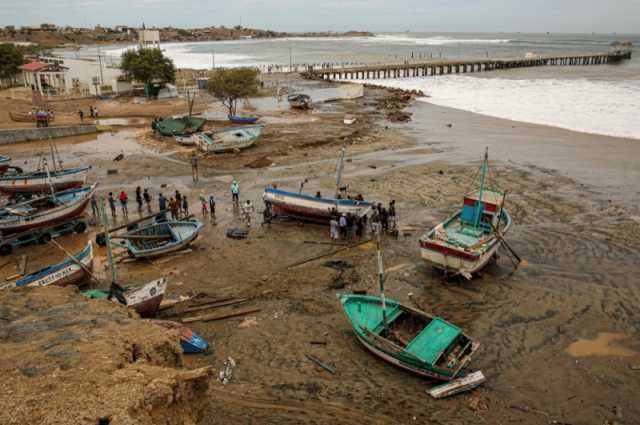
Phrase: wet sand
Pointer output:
(573, 227)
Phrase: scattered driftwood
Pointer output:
(459, 385)
(320, 363)
(328, 254)
(213, 317)
(318, 342)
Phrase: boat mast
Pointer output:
(53, 155)
(107, 238)
(383, 300)
(339, 168)
(479, 205)
(46, 169)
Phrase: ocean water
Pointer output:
(602, 99)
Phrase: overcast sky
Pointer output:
(584, 16)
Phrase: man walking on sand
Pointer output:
(194, 167)
(112, 205)
(162, 203)
(247, 210)
(123, 203)
(212, 207)
(147, 199)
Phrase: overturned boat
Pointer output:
(72, 271)
(316, 208)
(45, 210)
(465, 242)
(229, 139)
(160, 238)
(44, 181)
(180, 126)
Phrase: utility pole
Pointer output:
(213, 59)
(290, 60)
(100, 63)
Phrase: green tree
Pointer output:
(10, 59)
(147, 65)
(230, 85)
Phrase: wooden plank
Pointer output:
(216, 305)
(456, 386)
(213, 317)
(320, 363)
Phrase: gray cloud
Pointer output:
(338, 15)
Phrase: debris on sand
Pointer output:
(227, 372)
(262, 162)
(237, 233)
(339, 265)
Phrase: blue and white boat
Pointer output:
(243, 119)
(159, 238)
(316, 208)
(68, 272)
(44, 181)
(229, 139)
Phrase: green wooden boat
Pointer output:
(180, 126)
(412, 340)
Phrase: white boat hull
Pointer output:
(43, 184)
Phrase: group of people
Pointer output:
(93, 112)
(349, 226)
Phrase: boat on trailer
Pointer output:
(465, 242)
(45, 210)
(319, 209)
(43, 181)
(229, 139)
(159, 238)
(72, 271)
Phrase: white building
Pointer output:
(78, 77)
(149, 39)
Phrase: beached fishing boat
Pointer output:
(45, 210)
(43, 181)
(412, 340)
(71, 271)
(27, 117)
(349, 119)
(4, 163)
(229, 139)
(299, 101)
(316, 208)
(190, 140)
(180, 126)
(159, 239)
(243, 119)
(465, 242)
(144, 299)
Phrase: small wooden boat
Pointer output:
(190, 140)
(299, 101)
(26, 117)
(68, 272)
(45, 210)
(412, 340)
(465, 242)
(243, 119)
(316, 208)
(143, 299)
(349, 119)
(159, 239)
(43, 181)
(4, 163)
(230, 139)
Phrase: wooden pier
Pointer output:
(443, 67)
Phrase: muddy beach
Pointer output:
(559, 336)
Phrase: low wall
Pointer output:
(28, 134)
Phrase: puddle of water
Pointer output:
(123, 121)
(601, 345)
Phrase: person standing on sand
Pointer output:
(212, 207)
(333, 228)
(235, 192)
(247, 210)
(112, 204)
(162, 203)
(94, 205)
(139, 199)
(203, 203)
(147, 199)
(173, 208)
(178, 201)
(123, 203)
(91, 111)
(185, 207)
(342, 223)
(194, 167)
(392, 215)
(81, 115)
